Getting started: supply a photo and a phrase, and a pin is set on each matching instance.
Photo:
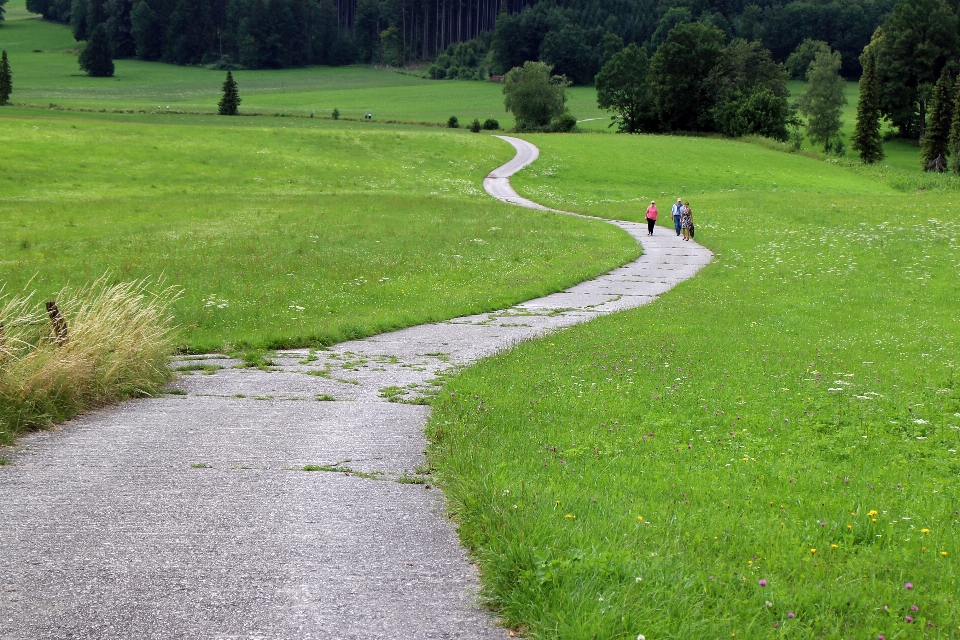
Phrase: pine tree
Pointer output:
(231, 97)
(933, 147)
(866, 135)
(6, 81)
(96, 58)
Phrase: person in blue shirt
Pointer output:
(677, 210)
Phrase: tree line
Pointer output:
(574, 36)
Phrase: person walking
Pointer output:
(676, 210)
(686, 220)
(651, 217)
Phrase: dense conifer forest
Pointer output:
(576, 36)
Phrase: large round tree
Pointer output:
(623, 87)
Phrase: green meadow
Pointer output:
(281, 232)
(769, 450)
(43, 56)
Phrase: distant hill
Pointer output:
(283, 33)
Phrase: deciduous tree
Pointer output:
(678, 73)
(824, 100)
(533, 95)
(624, 88)
(799, 61)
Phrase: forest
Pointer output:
(575, 36)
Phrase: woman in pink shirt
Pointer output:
(651, 217)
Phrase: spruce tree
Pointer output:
(231, 97)
(6, 81)
(96, 59)
(866, 135)
(933, 147)
(953, 143)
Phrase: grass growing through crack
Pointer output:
(769, 450)
(281, 236)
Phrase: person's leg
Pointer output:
(650, 225)
(676, 223)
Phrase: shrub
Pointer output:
(475, 125)
(453, 123)
(336, 114)
(564, 123)
(116, 347)
(490, 124)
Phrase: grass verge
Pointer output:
(116, 344)
(769, 450)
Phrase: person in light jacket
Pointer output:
(676, 210)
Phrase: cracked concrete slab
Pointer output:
(191, 515)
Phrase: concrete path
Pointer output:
(190, 515)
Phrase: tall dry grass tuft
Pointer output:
(118, 340)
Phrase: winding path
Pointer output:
(188, 515)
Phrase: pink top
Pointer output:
(652, 212)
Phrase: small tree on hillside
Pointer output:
(96, 58)
(231, 97)
(533, 95)
(6, 79)
(934, 146)
(866, 135)
(823, 102)
(622, 87)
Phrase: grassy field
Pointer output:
(280, 231)
(43, 56)
(768, 451)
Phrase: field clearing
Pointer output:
(280, 236)
(768, 451)
(53, 77)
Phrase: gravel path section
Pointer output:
(191, 515)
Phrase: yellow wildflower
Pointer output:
(924, 530)
(570, 516)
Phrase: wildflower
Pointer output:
(762, 582)
(768, 604)
(639, 518)
(909, 619)
(834, 546)
(872, 512)
(914, 608)
(813, 550)
(943, 553)
(881, 637)
(849, 526)
(924, 530)
(570, 516)
(908, 586)
(791, 614)
(640, 636)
